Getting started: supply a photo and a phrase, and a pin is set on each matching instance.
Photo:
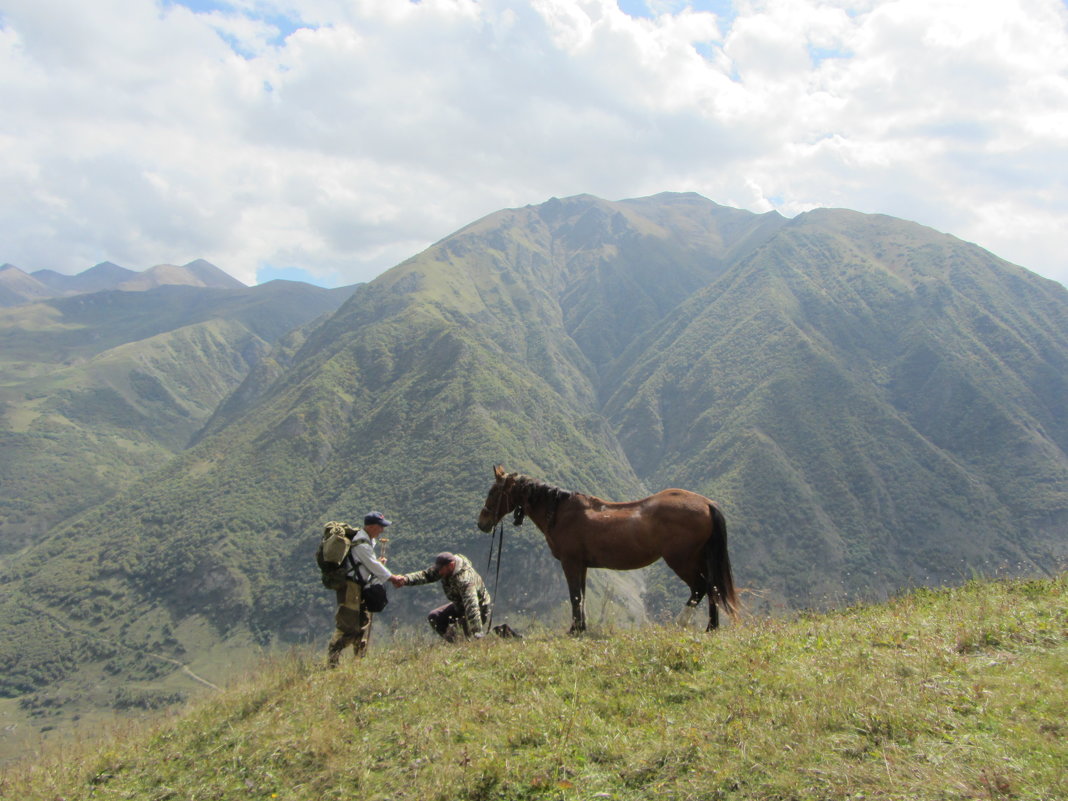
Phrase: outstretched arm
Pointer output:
(428, 576)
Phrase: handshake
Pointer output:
(397, 581)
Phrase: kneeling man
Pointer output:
(469, 600)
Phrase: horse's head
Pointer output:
(500, 500)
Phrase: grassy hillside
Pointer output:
(950, 694)
(99, 390)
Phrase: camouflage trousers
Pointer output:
(353, 623)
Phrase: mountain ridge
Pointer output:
(18, 287)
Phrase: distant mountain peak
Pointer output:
(107, 266)
(17, 287)
(197, 273)
(105, 275)
(212, 275)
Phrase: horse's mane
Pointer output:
(538, 492)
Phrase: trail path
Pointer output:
(96, 636)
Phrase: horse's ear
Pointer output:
(498, 471)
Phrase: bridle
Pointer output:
(504, 499)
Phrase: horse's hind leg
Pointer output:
(692, 570)
(697, 593)
(685, 568)
(685, 618)
(713, 613)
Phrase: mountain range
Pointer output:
(874, 405)
(18, 287)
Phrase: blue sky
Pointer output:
(283, 20)
(642, 8)
(332, 139)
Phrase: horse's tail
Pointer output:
(718, 564)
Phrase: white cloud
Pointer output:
(342, 137)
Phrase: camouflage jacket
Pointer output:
(463, 588)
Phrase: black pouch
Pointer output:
(374, 597)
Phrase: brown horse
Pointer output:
(687, 530)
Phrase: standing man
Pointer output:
(469, 600)
(353, 618)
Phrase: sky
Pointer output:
(328, 140)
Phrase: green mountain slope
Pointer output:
(958, 694)
(895, 399)
(620, 268)
(873, 403)
(98, 390)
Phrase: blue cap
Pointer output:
(376, 518)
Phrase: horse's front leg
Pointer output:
(575, 573)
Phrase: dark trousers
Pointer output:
(443, 619)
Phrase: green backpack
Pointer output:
(332, 551)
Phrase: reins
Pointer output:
(498, 535)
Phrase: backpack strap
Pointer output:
(353, 563)
(353, 567)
